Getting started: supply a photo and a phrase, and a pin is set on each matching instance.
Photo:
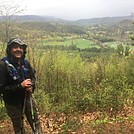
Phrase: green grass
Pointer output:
(83, 43)
(80, 43)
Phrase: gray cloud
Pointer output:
(72, 9)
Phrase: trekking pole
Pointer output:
(23, 112)
(32, 112)
(1, 98)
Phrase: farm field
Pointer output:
(80, 43)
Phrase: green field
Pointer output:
(83, 43)
(80, 43)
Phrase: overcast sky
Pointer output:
(78, 9)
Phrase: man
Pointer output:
(17, 84)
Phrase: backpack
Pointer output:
(13, 72)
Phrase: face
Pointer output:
(17, 51)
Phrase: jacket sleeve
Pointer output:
(4, 87)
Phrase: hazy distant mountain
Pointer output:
(93, 21)
(104, 20)
(33, 18)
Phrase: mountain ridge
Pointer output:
(90, 21)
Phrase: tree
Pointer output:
(8, 17)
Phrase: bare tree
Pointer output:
(8, 16)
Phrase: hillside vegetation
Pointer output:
(84, 74)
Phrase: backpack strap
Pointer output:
(1, 98)
(11, 69)
(25, 68)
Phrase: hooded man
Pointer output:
(17, 84)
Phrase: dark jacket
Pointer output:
(12, 91)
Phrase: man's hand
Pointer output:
(29, 89)
(27, 84)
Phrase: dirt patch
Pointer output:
(80, 123)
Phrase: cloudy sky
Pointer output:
(78, 9)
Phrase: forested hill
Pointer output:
(92, 21)
(104, 21)
(36, 18)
